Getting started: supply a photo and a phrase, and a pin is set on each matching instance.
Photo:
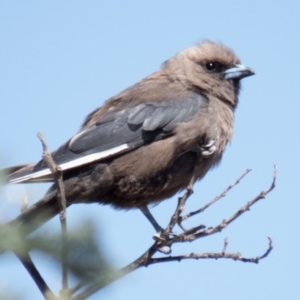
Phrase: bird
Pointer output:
(147, 143)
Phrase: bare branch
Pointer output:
(180, 207)
(234, 256)
(187, 236)
(167, 238)
(57, 173)
(27, 262)
(61, 198)
(146, 260)
(262, 195)
(223, 194)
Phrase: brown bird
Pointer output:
(144, 144)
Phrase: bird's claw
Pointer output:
(163, 249)
(207, 149)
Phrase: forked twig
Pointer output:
(222, 195)
(187, 236)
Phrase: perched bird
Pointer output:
(145, 144)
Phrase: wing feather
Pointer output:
(117, 132)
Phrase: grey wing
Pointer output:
(118, 132)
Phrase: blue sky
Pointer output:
(59, 60)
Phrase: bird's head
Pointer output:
(211, 68)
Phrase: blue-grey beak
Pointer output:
(238, 72)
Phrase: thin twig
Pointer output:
(262, 195)
(234, 256)
(181, 202)
(61, 199)
(57, 173)
(163, 239)
(223, 194)
(225, 246)
(180, 206)
(212, 230)
(27, 262)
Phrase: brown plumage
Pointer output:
(144, 144)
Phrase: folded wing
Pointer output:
(114, 133)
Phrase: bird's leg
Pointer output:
(145, 210)
(207, 149)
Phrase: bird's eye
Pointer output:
(212, 66)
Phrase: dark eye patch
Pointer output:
(213, 67)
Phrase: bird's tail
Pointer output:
(11, 170)
(26, 173)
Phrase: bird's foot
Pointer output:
(165, 249)
(207, 149)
